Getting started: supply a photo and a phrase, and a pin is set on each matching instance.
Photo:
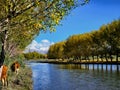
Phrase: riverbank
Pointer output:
(22, 81)
(60, 61)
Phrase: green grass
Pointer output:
(22, 81)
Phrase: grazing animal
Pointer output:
(3, 74)
(15, 67)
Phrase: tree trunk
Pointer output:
(93, 57)
(3, 41)
(2, 56)
(101, 57)
(97, 58)
(117, 57)
(106, 57)
(110, 55)
(80, 58)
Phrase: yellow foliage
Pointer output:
(37, 25)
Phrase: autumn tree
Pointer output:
(34, 55)
(78, 46)
(22, 20)
(70, 47)
(112, 36)
(100, 44)
(56, 51)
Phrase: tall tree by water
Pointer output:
(22, 20)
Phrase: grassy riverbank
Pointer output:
(68, 61)
(22, 81)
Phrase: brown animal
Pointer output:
(15, 67)
(3, 74)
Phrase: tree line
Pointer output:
(34, 55)
(102, 44)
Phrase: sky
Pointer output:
(81, 20)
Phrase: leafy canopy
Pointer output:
(24, 19)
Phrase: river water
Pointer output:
(75, 77)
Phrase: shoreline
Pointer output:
(53, 61)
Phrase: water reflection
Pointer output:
(98, 67)
(75, 76)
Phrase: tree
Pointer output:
(56, 51)
(113, 38)
(24, 19)
(102, 43)
(77, 46)
(34, 55)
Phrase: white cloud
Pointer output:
(45, 40)
(41, 47)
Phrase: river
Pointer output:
(75, 76)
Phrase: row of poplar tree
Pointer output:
(102, 44)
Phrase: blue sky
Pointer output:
(83, 19)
